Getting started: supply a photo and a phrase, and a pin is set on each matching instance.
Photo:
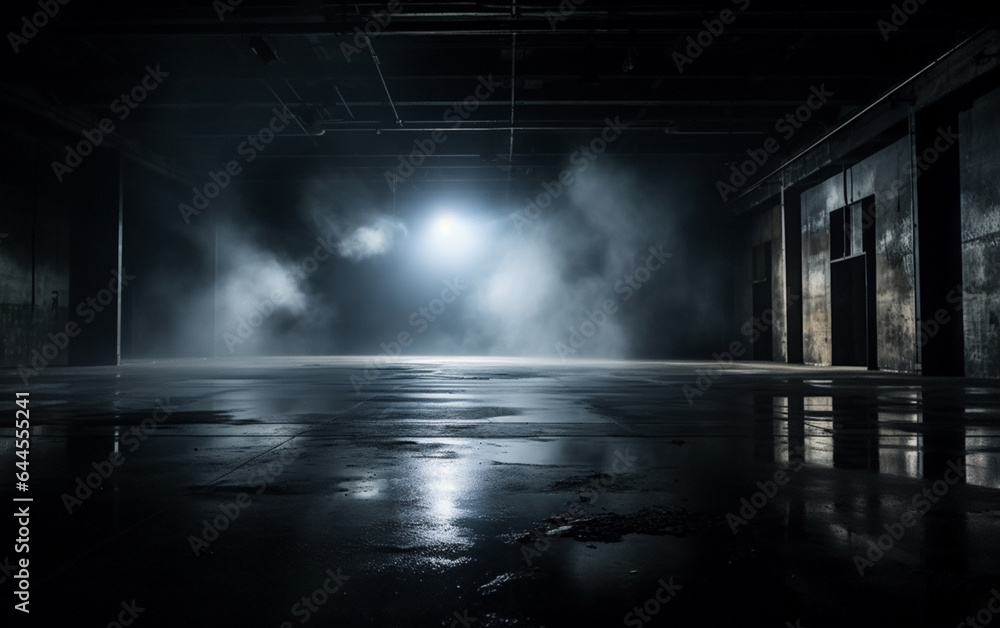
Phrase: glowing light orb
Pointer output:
(452, 239)
(446, 226)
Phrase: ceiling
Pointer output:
(354, 117)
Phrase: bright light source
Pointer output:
(452, 238)
(446, 226)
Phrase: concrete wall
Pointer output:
(937, 224)
(59, 249)
(980, 185)
(763, 226)
(34, 236)
(886, 176)
(817, 203)
(883, 175)
(768, 228)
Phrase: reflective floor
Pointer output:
(426, 492)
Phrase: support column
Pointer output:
(939, 214)
(791, 212)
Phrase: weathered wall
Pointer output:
(791, 215)
(768, 228)
(886, 176)
(34, 234)
(883, 175)
(59, 249)
(980, 183)
(923, 257)
(817, 203)
(763, 226)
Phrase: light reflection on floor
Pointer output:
(431, 473)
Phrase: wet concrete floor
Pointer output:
(481, 492)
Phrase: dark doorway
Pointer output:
(852, 286)
(849, 326)
(763, 347)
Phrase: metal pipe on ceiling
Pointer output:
(344, 102)
(285, 107)
(378, 67)
(624, 25)
(486, 103)
(502, 127)
(513, 74)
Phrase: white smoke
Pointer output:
(346, 218)
(377, 237)
(556, 274)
